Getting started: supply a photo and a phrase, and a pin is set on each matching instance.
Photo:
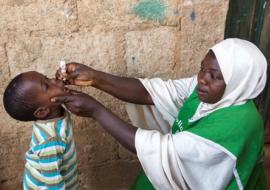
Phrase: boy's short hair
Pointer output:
(15, 102)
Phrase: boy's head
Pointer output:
(27, 97)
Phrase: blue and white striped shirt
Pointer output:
(51, 161)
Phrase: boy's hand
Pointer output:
(76, 74)
(79, 103)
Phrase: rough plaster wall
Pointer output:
(107, 35)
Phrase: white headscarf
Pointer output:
(243, 67)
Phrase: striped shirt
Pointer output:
(51, 161)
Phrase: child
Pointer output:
(51, 161)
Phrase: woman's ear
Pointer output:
(42, 112)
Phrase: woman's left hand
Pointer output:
(83, 105)
(79, 103)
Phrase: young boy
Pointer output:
(51, 161)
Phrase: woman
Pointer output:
(216, 136)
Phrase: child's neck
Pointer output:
(57, 113)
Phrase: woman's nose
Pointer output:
(203, 79)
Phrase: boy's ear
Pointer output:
(41, 112)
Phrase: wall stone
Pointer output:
(118, 15)
(45, 17)
(115, 36)
(4, 72)
(13, 144)
(151, 52)
(101, 51)
(202, 26)
(16, 2)
(22, 53)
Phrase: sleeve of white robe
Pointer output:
(183, 161)
(168, 96)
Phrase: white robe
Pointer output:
(176, 161)
(185, 160)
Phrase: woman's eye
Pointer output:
(216, 76)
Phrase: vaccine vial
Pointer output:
(63, 66)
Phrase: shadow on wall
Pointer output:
(267, 163)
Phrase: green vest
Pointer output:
(238, 129)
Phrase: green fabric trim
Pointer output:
(142, 183)
(257, 179)
(238, 129)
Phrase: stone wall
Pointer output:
(146, 38)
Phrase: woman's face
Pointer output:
(211, 85)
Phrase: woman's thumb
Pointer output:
(83, 83)
(60, 99)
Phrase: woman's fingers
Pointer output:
(76, 74)
(61, 99)
(59, 74)
(71, 67)
(83, 83)
(71, 76)
(75, 78)
(74, 92)
(70, 70)
(78, 103)
(70, 97)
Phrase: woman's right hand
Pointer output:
(76, 74)
(124, 88)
